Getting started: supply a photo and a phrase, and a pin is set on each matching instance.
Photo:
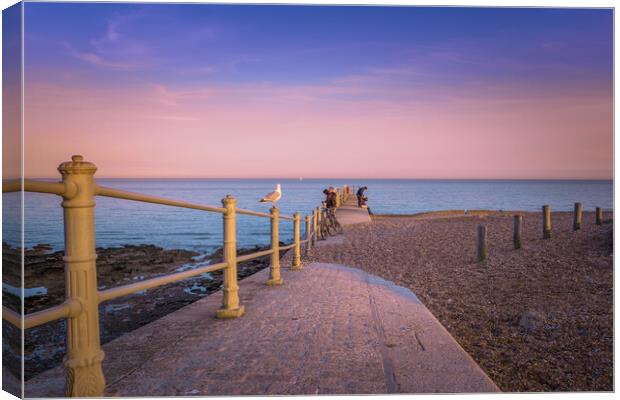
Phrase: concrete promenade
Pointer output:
(329, 329)
(349, 213)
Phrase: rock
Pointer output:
(530, 321)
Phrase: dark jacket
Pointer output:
(360, 191)
(330, 201)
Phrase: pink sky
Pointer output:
(218, 91)
(291, 131)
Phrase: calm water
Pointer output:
(121, 222)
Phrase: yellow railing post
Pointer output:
(84, 355)
(230, 303)
(337, 198)
(274, 273)
(320, 217)
(314, 219)
(297, 254)
(308, 233)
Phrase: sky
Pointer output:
(239, 91)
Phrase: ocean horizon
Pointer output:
(121, 222)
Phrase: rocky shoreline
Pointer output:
(44, 269)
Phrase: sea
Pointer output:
(122, 222)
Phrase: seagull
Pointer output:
(272, 197)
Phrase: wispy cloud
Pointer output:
(112, 34)
(113, 49)
(97, 59)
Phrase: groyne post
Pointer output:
(577, 217)
(599, 216)
(516, 237)
(297, 249)
(275, 277)
(482, 243)
(546, 221)
(84, 355)
(230, 303)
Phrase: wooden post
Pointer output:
(482, 243)
(275, 277)
(577, 217)
(599, 216)
(546, 221)
(516, 238)
(230, 301)
(84, 355)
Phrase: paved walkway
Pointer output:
(349, 213)
(329, 329)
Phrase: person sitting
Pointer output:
(361, 199)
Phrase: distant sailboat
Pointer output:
(301, 179)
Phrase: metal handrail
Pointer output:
(290, 246)
(133, 196)
(78, 189)
(58, 188)
(254, 255)
(254, 213)
(65, 310)
(119, 291)
(125, 195)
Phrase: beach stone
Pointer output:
(530, 321)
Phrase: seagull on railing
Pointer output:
(272, 197)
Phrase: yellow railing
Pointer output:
(78, 190)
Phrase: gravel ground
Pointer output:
(535, 319)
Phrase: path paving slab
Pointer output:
(330, 329)
(349, 213)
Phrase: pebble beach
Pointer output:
(535, 319)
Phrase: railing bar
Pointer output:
(287, 217)
(254, 213)
(11, 186)
(121, 194)
(41, 317)
(287, 247)
(58, 188)
(12, 317)
(258, 254)
(37, 318)
(112, 293)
